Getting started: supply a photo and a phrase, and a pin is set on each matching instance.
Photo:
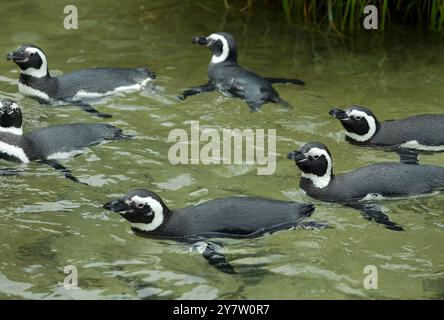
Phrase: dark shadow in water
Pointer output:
(435, 286)
(9, 172)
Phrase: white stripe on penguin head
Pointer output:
(43, 70)
(157, 208)
(225, 48)
(371, 125)
(319, 181)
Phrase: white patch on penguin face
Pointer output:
(225, 48)
(13, 151)
(43, 70)
(371, 124)
(157, 208)
(319, 181)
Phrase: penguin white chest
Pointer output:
(31, 92)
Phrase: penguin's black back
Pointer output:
(426, 129)
(66, 138)
(385, 179)
(92, 80)
(100, 80)
(235, 217)
(236, 81)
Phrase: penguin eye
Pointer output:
(140, 205)
(358, 118)
(316, 157)
(32, 54)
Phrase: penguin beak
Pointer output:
(297, 156)
(116, 206)
(16, 56)
(202, 41)
(338, 114)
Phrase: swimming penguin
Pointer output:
(35, 80)
(230, 79)
(48, 144)
(409, 137)
(370, 182)
(234, 217)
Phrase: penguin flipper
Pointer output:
(208, 87)
(87, 107)
(285, 81)
(254, 106)
(60, 168)
(210, 252)
(373, 212)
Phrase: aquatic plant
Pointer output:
(347, 15)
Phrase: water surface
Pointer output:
(48, 222)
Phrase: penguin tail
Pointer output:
(308, 209)
(119, 135)
(147, 73)
(116, 134)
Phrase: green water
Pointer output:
(47, 222)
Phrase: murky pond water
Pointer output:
(47, 222)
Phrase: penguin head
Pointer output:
(221, 44)
(31, 60)
(143, 209)
(10, 117)
(315, 162)
(360, 123)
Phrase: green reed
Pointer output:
(347, 15)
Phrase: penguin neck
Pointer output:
(155, 227)
(227, 55)
(26, 78)
(314, 190)
(309, 181)
(12, 130)
(312, 180)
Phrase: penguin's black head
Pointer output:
(314, 160)
(143, 209)
(10, 117)
(360, 123)
(31, 60)
(221, 44)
